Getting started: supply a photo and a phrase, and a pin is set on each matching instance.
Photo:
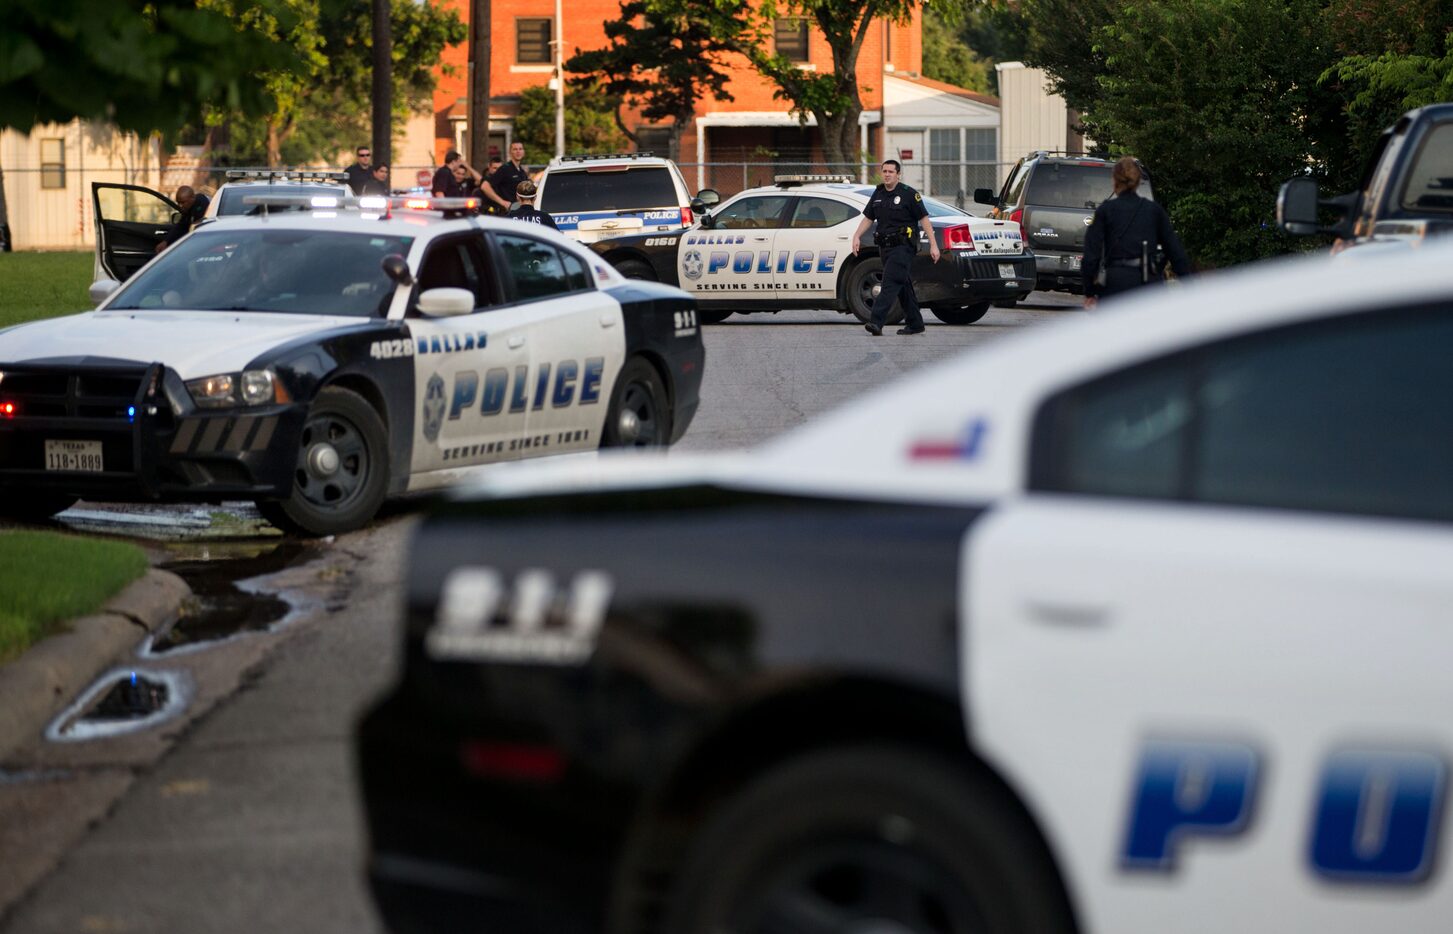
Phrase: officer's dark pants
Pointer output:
(1121, 279)
(897, 261)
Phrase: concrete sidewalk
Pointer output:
(38, 685)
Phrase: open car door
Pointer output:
(130, 222)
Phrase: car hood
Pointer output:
(193, 343)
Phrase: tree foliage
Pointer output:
(144, 65)
(589, 122)
(947, 57)
(662, 61)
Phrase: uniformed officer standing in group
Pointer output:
(1127, 235)
(897, 208)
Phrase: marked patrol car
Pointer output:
(790, 246)
(318, 362)
(597, 197)
(1143, 626)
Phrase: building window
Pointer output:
(981, 144)
(52, 163)
(790, 36)
(532, 41)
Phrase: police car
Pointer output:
(790, 246)
(1142, 625)
(599, 196)
(319, 362)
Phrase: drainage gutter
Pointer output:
(38, 685)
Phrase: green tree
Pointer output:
(661, 62)
(589, 124)
(947, 57)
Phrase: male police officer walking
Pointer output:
(896, 207)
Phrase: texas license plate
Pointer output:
(1006, 270)
(75, 456)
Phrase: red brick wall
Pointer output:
(584, 29)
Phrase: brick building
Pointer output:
(744, 129)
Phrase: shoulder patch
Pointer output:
(917, 196)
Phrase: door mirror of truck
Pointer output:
(986, 196)
(1296, 207)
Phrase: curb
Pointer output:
(38, 685)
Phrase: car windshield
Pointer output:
(579, 190)
(1070, 185)
(316, 272)
(232, 199)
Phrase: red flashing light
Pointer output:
(8, 409)
(517, 761)
(471, 204)
(958, 237)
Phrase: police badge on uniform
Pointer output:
(897, 198)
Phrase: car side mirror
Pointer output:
(101, 290)
(985, 196)
(176, 217)
(1296, 207)
(446, 302)
(708, 197)
(397, 269)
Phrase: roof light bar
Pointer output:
(787, 181)
(289, 175)
(587, 156)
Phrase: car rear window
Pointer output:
(232, 198)
(1064, 185)
(578, 190)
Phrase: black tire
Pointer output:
(863, 278)
(32, 506)
(640, 413)
(826, 842)
(712, 317)
(965, 315)
(327, 501)
(636, 269)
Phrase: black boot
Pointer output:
(874, 329)
(918, 330)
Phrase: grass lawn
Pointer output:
(47, 578)
(43, 285)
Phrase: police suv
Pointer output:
(1142, 625)
(790, 246)
(318, 362)
(594, 197)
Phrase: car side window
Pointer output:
(820, 212)
(762, 213)
(458, 263)
(575, 273)
(534, 269)
(1352, 415)
(1015, 186)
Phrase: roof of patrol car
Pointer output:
(851, 450)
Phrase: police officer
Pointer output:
(505, 181)
(896, 208)
(193, 206)
(525, 194)
(1126, 235)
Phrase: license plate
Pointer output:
(75, 456)
(1006, 270)
(1075, 262)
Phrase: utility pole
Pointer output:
(559, 44)
(479, 37)
(383, 84)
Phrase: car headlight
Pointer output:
(250, 387)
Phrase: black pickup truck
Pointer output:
(1406, 193)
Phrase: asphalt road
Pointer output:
(240, 814)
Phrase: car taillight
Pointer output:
(686, 217)
(1017, 216)
(958, 237)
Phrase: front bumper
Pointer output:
(155, 443)
(961, 277)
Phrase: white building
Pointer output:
(1032, 117)
(947, 137)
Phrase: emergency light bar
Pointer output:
(787, 181)
(587, 156)
(375, 204)
(288, 175)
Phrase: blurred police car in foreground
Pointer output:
(1143, 625)
(319, 361)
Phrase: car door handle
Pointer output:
(159, 233)
(761, 239)
(607, 320)
(516, 341)
(1068, 612)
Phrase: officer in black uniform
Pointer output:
(1127, 235)
(896, 208)
(525, 194)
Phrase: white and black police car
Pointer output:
(790, 246)
(319, 362)
(1143, 625)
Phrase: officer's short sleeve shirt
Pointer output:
(899, 208)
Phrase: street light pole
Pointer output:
(559, 80)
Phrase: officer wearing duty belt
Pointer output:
(1127, 238)
(896, 208)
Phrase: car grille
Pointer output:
(73, 392)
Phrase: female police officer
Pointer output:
(896, 207)
(1126, 235)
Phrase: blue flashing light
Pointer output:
(133, 679)
(131, 413)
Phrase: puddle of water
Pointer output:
(219, 607)
(122, 701)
